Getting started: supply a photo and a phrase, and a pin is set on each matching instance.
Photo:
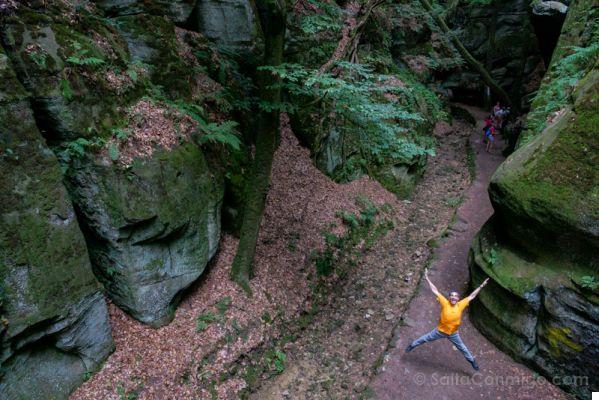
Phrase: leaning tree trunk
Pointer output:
(273, 20)
(495, 88)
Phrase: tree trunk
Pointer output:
(350, 35)
(273, 20)
(495, 88)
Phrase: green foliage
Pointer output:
(38, 56)
(9, 154)
(131, 73)
(77, 149)
(204, 320)
(266, 318)
(224, 133)
(362, 108)
(327, 19)
(275, 359)
(589, 282)
(362, 230)
(413, 16)
(81, 57)
(113, 152)
(123, 394)
(65, 89)
(223, 305)
(453, 201)
(493, 257)
(121, 133)
(556, 93)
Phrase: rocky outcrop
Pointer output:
(541, 247)
(178, 11)
(500, 36)
(151, 230)
(233, 24)
(55, 327)
(119, 100)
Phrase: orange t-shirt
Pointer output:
(451, 316)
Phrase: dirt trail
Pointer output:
(437, 370)
(337, 355)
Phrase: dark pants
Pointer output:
(455, 338)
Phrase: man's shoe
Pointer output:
(409, 348)
(474, 365)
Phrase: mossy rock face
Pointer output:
(511, 56)
(232, 24)
(64, 67)
(178, 10)
(547, 189)
(580, 30)
(533, 310)
(57, 326)
(151, 228)
(542, 243)
(335, 150)
(151, 225)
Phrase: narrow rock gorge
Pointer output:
(540, 247)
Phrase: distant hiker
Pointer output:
(496, 109)
(490, 133)
(488, 124)
(497, 115)
(451, 315)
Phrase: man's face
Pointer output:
(454, 297)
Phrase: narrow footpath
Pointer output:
(437, 370)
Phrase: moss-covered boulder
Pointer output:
(541, 248)
(121, 101)
(54, 320)
(151, 228)
(346, 149)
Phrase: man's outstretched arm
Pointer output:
(475, 292)
(433, 287)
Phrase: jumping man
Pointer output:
(451, 315)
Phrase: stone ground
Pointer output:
(437, 370)
(337, 355)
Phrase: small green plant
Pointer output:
(80, 57)
(275, 358)
(121, 133)
(65, 89)
(224, 132)
(453, 201)
(87, 375)
(363, 229)
(223, 305)
(266, 318)
(204, 320)
(113, 151)
(76, 149)
(38, 56)
(589, 282)
(123, 394)
(9, 154)
(493, 257)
